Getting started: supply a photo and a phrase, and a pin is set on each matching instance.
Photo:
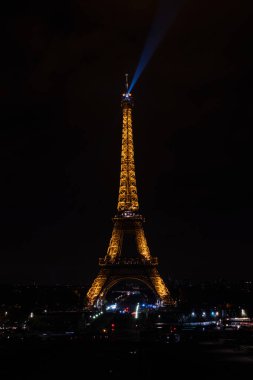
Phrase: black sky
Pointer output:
(62, 67)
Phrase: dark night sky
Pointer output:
(62, 68)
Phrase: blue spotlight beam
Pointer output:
(164, 17)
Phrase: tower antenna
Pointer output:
(126, 75)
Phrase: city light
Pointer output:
(137, 310)
(243, 313)
(112, 307)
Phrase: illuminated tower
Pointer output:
(117, 266)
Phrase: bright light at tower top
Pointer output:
(126, 96)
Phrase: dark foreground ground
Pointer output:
(208, 357)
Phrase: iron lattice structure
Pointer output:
(115, 266)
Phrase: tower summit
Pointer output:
(115, 266)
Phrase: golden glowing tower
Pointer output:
(115, 266)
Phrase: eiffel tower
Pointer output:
(117, 266)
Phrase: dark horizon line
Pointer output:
(83, 284)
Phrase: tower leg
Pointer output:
(115, 244)
(160, 287)
(141, 242)
(96, 287)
